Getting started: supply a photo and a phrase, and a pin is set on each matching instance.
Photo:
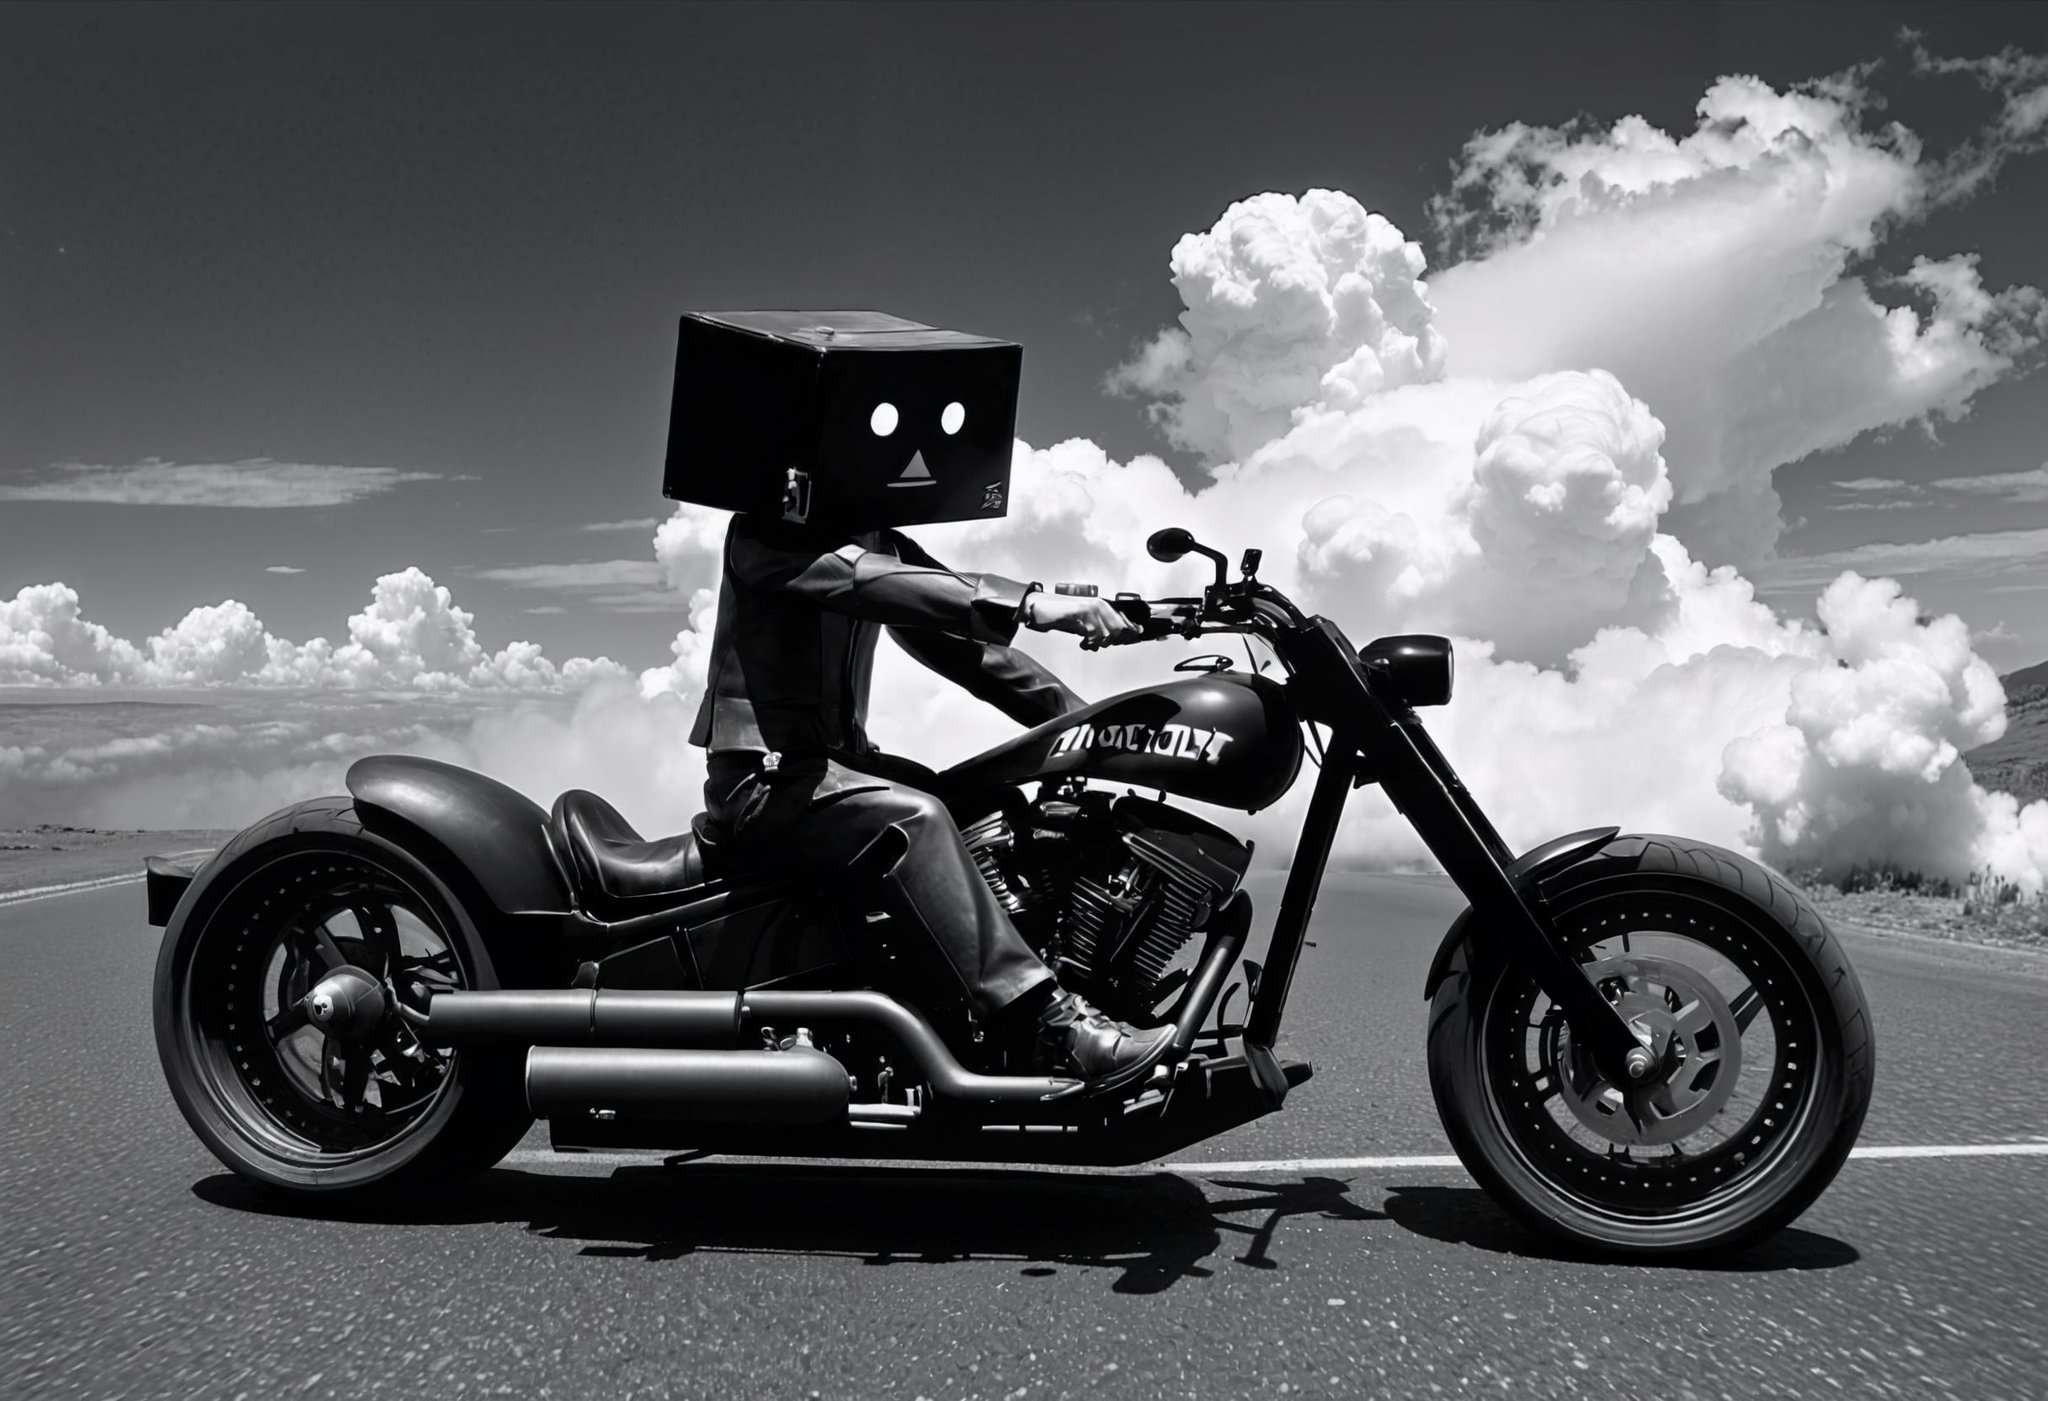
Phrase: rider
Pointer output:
(794, 777)
(822, 431)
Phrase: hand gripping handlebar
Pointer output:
(1151, 625)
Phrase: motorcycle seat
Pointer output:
(607, 859)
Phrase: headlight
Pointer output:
(1417, 663)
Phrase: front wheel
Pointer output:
(282, 995)
(1763, 1044)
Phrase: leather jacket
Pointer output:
(799, 611)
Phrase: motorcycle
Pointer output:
(1641, 1044)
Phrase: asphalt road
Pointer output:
(132, 1265)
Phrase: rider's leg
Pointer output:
(822, 816)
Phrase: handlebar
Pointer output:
(1246, 606)
(1156, 618)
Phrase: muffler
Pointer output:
(796, 1086)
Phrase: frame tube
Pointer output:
(1337, 689)
(1298, 900)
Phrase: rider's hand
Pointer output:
(1093, 618)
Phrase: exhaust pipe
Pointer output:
(608, 1017)
(625, 1020)
(1227, 933)
(792, 1087)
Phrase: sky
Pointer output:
(452, 243)
(404, 282)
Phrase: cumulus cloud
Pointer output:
(632, 748)
(253, 483)
(1291, 305)
(412, 636)
(1865, 761)
(688, 547)
(45, 640)
(1711, 272)
(1645, 328)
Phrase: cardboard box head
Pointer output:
(850, 419)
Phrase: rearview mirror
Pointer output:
(1169, 544)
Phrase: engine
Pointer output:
(1108, 891)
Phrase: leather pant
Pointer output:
(819, 815)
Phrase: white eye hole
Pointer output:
(883, 420)
(952, 417)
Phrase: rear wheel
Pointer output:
(281, 1009)
(1763, 1073)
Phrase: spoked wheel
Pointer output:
(285, 1015)
(1762, 1070)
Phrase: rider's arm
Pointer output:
(1006, 678)
(914, 591)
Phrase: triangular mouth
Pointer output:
(916, 474)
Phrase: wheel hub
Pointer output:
(347, 1004)
(1689, 1030)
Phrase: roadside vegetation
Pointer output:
(1986, 909)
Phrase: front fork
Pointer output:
(1420, 782)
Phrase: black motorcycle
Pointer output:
(1639, 1043)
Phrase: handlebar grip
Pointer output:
(1150, 627)
(1077, 590)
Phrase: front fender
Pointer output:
(497, 834)
(1528, 868)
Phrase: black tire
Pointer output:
(1752, 1149)
(277, 1098)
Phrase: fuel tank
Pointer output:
(1223, 738)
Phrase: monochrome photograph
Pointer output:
(860, 698)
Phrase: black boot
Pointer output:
(1075, 1038)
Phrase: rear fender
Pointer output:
(1529, 868)
(165, 880)
(497, 835)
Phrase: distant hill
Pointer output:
(2018, 763)
(2026, 678)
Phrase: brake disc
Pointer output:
(1685, 1022)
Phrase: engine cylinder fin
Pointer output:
(1095, 916)
(1117, 887)
(1158, 940)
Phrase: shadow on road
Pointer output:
(1467, 1216)
(1157, 1230)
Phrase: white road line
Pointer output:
(1958, 1150)
(1444, 1160)
(1415, 1162)
(1918, 1150)
(44, 892)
